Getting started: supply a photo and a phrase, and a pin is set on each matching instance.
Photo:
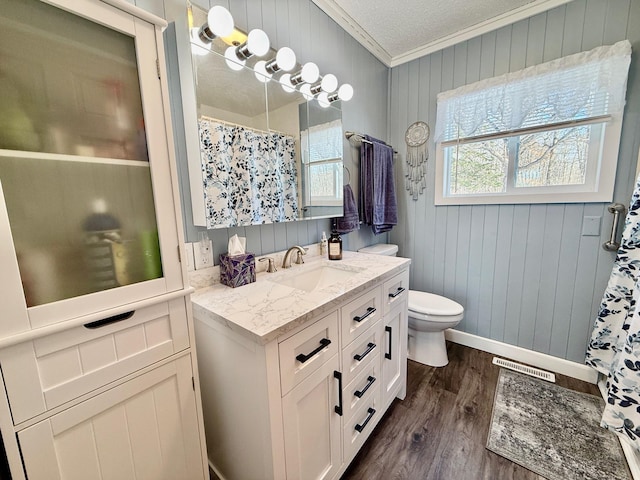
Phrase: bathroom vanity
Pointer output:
(297, 368)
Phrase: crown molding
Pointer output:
(337, 13)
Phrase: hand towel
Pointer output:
(350, 220)
(378, 194)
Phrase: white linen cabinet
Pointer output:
(96, 335)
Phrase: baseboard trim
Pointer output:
(536, 359)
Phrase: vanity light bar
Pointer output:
(220, 24)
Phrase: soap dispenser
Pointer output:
(335, 246)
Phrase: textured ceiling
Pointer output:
(394, 30)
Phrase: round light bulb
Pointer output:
(231, 59)
(310, 72)
(220, 21)
(198, 47)
(345, 92)
(286, 59)
(305, 90)
(260, 72)
(258, 42)
(329, 83)
(323, 99)
(285, 83)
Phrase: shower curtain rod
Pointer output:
(231, 124)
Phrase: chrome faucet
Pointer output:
(301, 251)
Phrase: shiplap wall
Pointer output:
(524, 273)
(301, 25)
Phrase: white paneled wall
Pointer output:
(314, 37)
(524, 273)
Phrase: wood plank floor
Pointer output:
(440, 430)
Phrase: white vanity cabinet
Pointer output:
(301, 406)
(97, 361)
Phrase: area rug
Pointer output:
(553, 431)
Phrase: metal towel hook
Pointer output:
(616, 209)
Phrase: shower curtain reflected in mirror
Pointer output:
(614, 348)
(250, 176)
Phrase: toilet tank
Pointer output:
(387, 249)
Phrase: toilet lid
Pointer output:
(431, 304)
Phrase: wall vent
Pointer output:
(518, 367)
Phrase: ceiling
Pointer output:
(397, 32)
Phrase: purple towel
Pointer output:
(377, 186)
(350, 220)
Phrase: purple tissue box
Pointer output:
(237, 270)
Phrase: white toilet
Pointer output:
(429, 316)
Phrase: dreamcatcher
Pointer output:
(416, 138)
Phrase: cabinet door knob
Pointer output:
(387, 355)
(397, 292)
(338, 408)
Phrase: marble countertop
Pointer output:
(265, 309)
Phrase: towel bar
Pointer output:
(616, 209)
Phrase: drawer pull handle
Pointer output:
(108, 321)
(398, 292)
(360, 393)
(387, 355)
(338, 408)
(371, 412)
(360, 356)
(323, 343)
(370, 311)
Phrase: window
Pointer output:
(321, 147)
(546, 134)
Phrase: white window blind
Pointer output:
(322, 142)
(578, 87)
(547, 134)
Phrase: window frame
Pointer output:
(604, 141)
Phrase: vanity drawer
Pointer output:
(47, 372)
(358, 354)
(358, 428)
(303, 353)
(395, 290)
(359, 314)
(365, 386)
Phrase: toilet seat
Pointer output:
(431, 305)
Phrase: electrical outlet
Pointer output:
(191, 263)
(203, 255)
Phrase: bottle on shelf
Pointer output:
(335, 246)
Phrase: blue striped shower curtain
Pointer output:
(614, 348)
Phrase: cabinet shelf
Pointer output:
(60, 157)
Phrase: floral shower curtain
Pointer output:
(250, 177)
(614, 348)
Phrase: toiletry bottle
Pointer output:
(335, 246)
(323, 244)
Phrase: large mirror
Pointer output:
(267, 155)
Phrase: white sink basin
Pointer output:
(314, 278)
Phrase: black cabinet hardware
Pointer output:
(360, 393)
(371, 412)
(360, 356)
(370, 311)
(110, 320)
(338, 408)
(303, 358)
(387, 355)
(398, 292)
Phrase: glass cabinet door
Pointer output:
(74, 157)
